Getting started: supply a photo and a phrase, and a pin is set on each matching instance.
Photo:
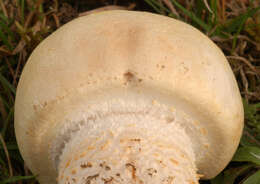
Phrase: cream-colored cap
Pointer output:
(106, 54)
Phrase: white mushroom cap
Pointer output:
(126, 54)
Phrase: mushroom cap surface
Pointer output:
(101, 55)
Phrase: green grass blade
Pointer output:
(16, 178)
(6, 84)
(10, 146)
(218, 179)
(7, 29)
(6, 104)
(242, 18)
(231, 174)
(150, 2)
(234, 24)
(247, 154)
(4, 26)
(3, 17)
(257, 105)
(213, 18)
(9, 117)
(253, 179)
(248, 138)
(22, 12)
(3, 37)
(2, 162)
(157, 6)
(192, 16)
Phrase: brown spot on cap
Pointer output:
(133, 169)
(108, 180)
(87, 165)
(169, 119)
(128, 76)
(135, 140)
(90, 178)
(107, 168)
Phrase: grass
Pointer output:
(233, 25)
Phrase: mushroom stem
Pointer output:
(136, 144)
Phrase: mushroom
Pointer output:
(127, 97)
